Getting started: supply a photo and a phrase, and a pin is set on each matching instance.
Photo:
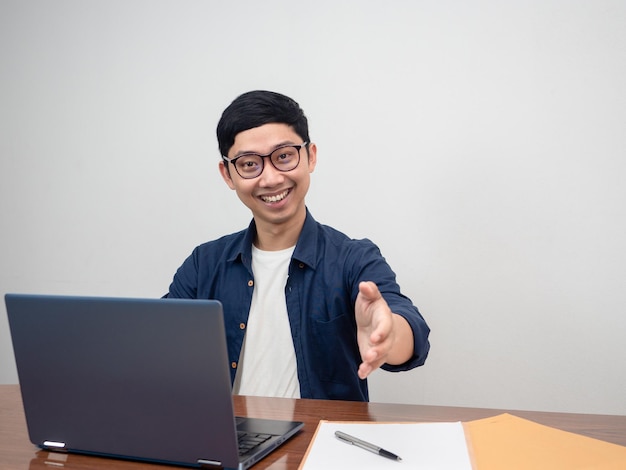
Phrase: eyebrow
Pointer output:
(277, 146)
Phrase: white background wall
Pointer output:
(480, 144)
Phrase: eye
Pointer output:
(248, 163)
(284, 154)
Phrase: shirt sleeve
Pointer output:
(368, 264)
(185, 282)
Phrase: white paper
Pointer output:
(427, 446)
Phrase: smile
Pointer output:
(276, 198)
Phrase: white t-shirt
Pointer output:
(267, 365)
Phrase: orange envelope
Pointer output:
(509, 442)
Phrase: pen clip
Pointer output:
(344, 437)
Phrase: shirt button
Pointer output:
(301, 265)
(233, 365)
(242, 326)
(250, 283)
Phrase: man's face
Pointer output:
(274, 197)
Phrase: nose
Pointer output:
(270, 176)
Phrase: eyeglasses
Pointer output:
(250, 165)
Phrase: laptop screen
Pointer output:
(144, 379)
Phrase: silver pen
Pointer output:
(366, 445)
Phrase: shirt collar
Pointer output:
(306, 247)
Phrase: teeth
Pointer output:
(278, 197)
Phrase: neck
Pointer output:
(274, 237)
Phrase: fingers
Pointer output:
(380, 334)
(372, 359)
(369, 364)
(374, 319)
(364, 371)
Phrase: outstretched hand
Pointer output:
(383, 336)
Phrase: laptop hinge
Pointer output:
(211, 464)
(55, 445)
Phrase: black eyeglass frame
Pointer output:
(263, 157)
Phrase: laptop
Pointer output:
(139, 379)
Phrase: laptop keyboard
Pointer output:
(249, 441)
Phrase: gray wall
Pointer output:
(480, 144)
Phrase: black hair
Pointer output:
(256, 108)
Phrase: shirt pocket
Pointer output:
(335, 349)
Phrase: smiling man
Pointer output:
(309, 312)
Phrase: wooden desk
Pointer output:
(17, 453)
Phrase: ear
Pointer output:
(225, 172)
(312, 157)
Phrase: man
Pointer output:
(309, 312)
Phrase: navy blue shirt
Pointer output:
(322, 286)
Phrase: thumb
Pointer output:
(369, 290)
